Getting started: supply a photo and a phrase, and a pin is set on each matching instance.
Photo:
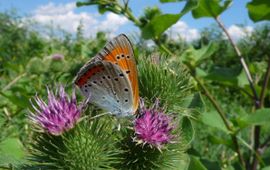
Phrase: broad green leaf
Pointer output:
(266, 168)
(195, 57)
(217, 140)
(242, 79)
(194, 102)
(210, 164)
(259, 10)
(11, 152)
(158, 25)
(227, 76)
(197, 103)
(161, 23)
(36, 66)
(259, 117)
(17, 99)
(213, 8)
(213, 119)
(195, 164)
(187, 129)
(200, 72)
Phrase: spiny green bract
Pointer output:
(167, 80)
(143, 157)
(91, 145)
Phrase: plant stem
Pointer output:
(257, 101)
(222, 115)
(242, 60)
(164, 48)
(265, 84)
(13, 81)
(127, 13)
(257, 128)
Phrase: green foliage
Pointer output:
(160, 23)
(212, 8)
(193, 57)
(151, 30)
(46, 152)
(138, 156)
(259, 10)
(195, 164)
(89, 146)
(259, 117)
(11, 152)
(166, 80)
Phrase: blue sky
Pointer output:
(44, 11)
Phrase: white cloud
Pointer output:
(64, 16)
(182, 30)
(237, 32)
(112, 23)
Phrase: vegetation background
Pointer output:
(224, 108)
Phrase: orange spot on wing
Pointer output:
(87, 75)
(126, 64)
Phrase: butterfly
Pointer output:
(110, 78)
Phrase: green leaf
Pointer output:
(17, 99)
(266, 168)
(227, 76)
(11, 152)
(161, 23)
(242, 79)
(213, 119)
(194, 102)
(217, 140)
(158, 25)
(195, 164)
(259, 117)
(195, 57)
(188, 130)
(211, 8)
(259, 10)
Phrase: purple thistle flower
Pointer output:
(153, 126)
(57, 57)
(59, 115)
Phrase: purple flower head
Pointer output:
(57, 57)
(153, 126)
(59, 115)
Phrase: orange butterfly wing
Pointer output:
(119, 51)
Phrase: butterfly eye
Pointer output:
(116, 79)
(127, 71)
(126, 89)
(118, 57)
(128, 56)
(126, 100)
(123, 55)
(121, 75)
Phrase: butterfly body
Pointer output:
(110, 78)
